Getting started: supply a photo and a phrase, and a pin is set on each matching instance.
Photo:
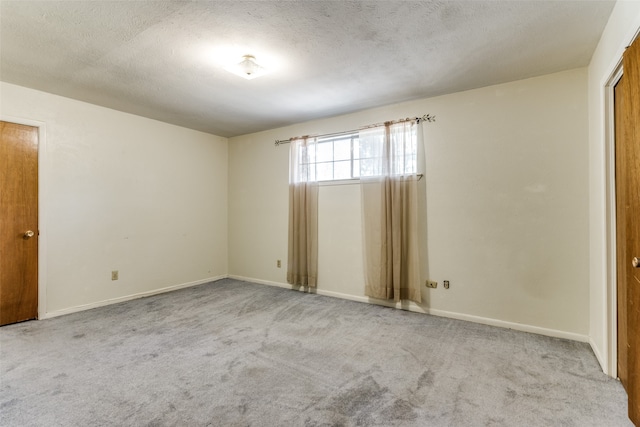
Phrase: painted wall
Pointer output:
(122, 192)
(623, 24)
(507, 205)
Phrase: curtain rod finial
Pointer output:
(427, 118)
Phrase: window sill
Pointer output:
(351, 181)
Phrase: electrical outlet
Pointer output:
(279, 263)
(445, 284)
(114, 275)
(431, 284)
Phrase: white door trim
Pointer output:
(610, 218)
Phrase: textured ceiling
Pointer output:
(161, 59)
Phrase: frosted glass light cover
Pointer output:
(248, 68)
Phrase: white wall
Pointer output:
(622, 26)
(507, 195)
(122, 192)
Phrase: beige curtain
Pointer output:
(302, 266)
(389, 189)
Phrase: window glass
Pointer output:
(346, 157)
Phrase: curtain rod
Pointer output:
(425, 118)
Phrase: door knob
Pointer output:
(28, 234)
(635, 262)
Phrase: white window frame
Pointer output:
(354, 166)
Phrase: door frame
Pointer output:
(42, 207)
(610, 219)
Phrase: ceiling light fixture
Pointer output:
(248, 68)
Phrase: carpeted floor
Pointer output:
(231, 353)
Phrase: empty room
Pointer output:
(320, 213)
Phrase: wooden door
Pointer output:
(628, 225)
(19, 226)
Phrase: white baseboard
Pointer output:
(406, 306)
(510, 325)
(129, 297)
(435, 312)
(261, 282)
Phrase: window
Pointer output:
(343, 157)
(332, 158)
